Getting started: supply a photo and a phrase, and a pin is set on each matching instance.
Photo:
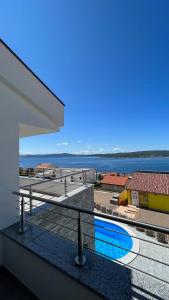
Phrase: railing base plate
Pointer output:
(22, 230)
(80, 262)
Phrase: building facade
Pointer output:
(149, 190)
(114, 183)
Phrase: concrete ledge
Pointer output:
(43, 279)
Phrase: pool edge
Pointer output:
(129, 257)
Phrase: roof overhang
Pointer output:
(41, 111)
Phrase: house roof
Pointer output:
(114, 180)
(45, 166)
(156, 183)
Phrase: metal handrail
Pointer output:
(102, 215)
(80, 259)
(99, 226)
(96, 238)
(56, 178)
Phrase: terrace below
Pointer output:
(50, 243)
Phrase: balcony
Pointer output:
(56, 182)
(62, 237)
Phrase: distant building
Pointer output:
(90, 175)
(46, 170)
(114, 182)
(45, 166)
(109, 173)
(149, 190)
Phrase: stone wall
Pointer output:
(82, 199)
(63, 221)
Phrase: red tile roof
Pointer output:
(45, 166)
(114, 180)
(150, 182)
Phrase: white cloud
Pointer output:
(101, 150)
(116, 149)
(63, 144)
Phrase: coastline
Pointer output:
(135, 154)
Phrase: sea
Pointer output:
(122, 165)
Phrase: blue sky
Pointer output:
(108, 60)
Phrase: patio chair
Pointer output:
(140, 229)
(150, 233)
(97, 206)
(162, 237)
(109, 210)
(103, 208)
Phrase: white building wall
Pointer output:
(27, 107)
(9, 156)
(12, 112)
(19, 115)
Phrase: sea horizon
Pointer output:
(101, 164)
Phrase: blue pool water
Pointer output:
(115, 238)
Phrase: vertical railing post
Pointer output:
(61, 175)
(80, 260)
(22, 227)
(83, 178)
(65, 185)
(30, 200)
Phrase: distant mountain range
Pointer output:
(136, 154)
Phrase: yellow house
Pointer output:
(123, 197)
(149, 190)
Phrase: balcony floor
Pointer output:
(52, 188)
(110, 279)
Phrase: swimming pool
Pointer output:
(115, 238)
